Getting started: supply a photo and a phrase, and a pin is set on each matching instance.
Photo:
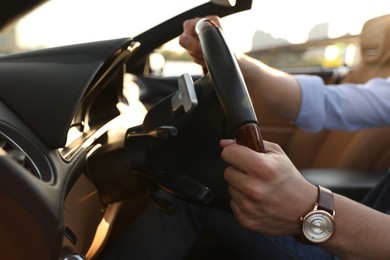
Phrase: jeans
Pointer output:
(156, 235)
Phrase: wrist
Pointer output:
(318, 225)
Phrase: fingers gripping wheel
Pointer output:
(229, 85)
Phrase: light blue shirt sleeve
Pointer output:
(343, 107)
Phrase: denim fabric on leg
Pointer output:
(156, 235)
(251, 245)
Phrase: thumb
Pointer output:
(226, 142)
(189, 43)
(193, 48)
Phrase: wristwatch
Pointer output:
(318, 225)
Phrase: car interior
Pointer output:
(364, 150)
(74, 171)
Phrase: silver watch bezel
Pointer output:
(318, 226)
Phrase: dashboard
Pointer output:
(58, 106)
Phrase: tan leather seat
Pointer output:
(362, 150)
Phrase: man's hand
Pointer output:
(269, 195)
(189, 39)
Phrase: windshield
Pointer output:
(268, 24)
(62, 22)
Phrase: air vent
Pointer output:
(15, 152)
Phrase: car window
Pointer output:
(302, 33)
(281, 33)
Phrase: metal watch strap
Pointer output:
(325, 199)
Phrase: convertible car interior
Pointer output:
(364, 151)
(75, 169)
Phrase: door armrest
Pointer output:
(353, 184)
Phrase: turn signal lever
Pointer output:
(174, 183)
(181, 186)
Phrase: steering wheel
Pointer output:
(178, 143)
(229, 85)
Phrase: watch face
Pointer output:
(318, 226)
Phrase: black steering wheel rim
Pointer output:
(229, 85)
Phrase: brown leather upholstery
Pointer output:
(363, 150)
(374, 51)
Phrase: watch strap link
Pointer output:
(325, 199)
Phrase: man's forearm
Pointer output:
(361, 232)
(276, 90)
